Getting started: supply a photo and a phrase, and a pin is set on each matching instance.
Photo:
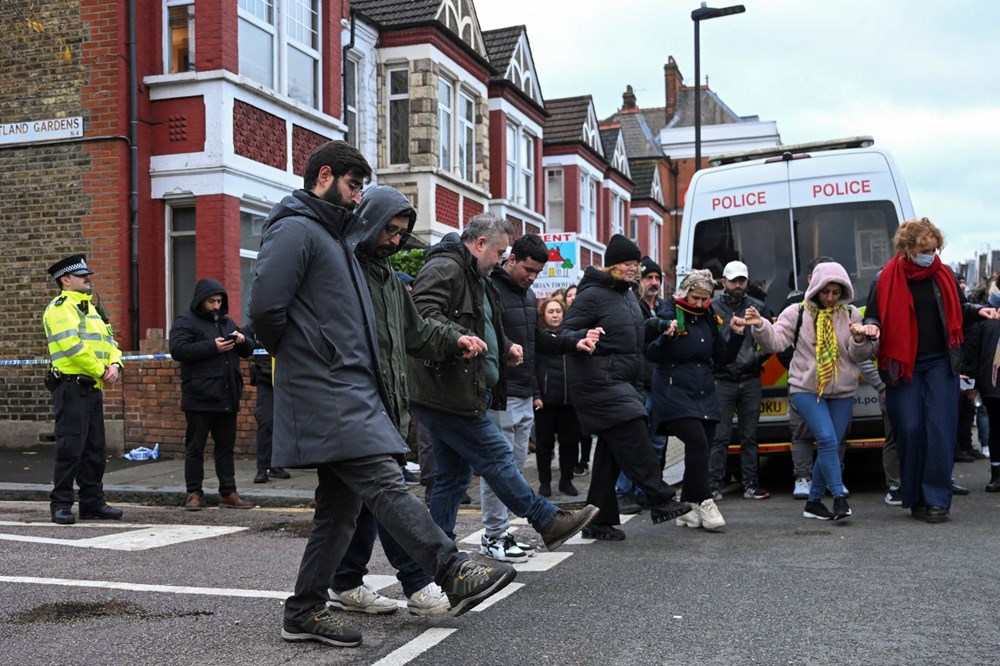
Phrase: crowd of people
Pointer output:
(483, 367)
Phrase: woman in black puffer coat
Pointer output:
(604, 393)
(981, 360)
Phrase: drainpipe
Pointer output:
(343, 67)
(133, 195)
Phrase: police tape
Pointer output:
(134, 357)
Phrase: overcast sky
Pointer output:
(921, 76)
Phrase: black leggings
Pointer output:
(697, 436)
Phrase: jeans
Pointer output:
(925, 424)
(802, 445)
(222, 426)
(828, 420)
(624, 485)
(743, 397)
(466, 443)
(890, 461)
(515, 423)
(353, 567)
(343, 487)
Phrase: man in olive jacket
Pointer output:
(312, 311)
(400, 331)
(450, 398)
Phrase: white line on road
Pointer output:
(415, 648)
(502, 594)
(137, 587)
(133, 540)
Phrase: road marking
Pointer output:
(415, 648)
(150, 536)
(502, 594)
(136, 587)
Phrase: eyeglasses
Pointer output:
(393, 231)
(353, 187)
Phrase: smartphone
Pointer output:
(231, 336)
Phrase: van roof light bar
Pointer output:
(795, 150)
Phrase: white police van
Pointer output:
(775, 209)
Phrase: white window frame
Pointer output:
(588, 205)
(466, 136)
(168, 46)
(633, 227)
(655, 239)
(446, 124)
(248, 254)
(550, 175)
(520, 165)
(456, 131)
(352, 116)
(171, 236)
(283, 40)
(617, 214)
(396, 98)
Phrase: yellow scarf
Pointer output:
(827, 349)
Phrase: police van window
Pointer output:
(760, 240)
(858, 235)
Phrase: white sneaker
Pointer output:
(801, 491)
(502, 548)
(708, 513)
(690, 519)
(362, 599)
(428, 601)
(528, 549)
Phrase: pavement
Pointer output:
(26, 475)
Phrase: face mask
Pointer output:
(995, 299)
(922, 260)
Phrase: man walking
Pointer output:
(738, 388)
(312, 311)
(451, 398)
(85, 358)
(207, 344)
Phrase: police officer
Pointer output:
(85, 357)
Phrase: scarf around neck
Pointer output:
(898, 345)
(683, 310)
(827, 349)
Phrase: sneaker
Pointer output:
(469, 583)
(603, 533)
(526, 547)
(709, 516)
(847, 493)
(321, 626)
(628, 506)
(755, 492)
(668, 510)
(581, 469)
(690, 519)
(816, 510)
(410, 478)
(893, 496)
(801, 490)
(841, 509)
(717, 495)
(362, 599)
(566, 524)
(428, 601)
(502, 549)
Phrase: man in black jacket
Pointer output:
(208, 346)
(737, 387)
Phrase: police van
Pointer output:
(775, 209)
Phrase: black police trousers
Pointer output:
(80, 446)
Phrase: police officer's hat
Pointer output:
(74, 265)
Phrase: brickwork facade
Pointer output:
(259, 135)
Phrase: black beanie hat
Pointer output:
(650, 266)
(621, 249)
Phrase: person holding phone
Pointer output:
(208, 346)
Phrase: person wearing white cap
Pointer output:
(738, 387)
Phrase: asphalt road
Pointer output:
(775, 588)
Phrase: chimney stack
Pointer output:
(673, 82)
(628, 99)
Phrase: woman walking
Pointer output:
(823, 373)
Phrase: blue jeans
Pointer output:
(828, 420)
(463, 444)
(925, 424)
(624, 485)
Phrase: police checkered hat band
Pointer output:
(76, 264)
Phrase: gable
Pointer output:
(521, 71)
(591, 134)
(619, 160)
(459, 16)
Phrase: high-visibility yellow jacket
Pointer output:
(80, 342)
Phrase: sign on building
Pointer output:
(562, 268)
(33, 131)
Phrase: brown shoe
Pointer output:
(234, 501)
(193, 502)
(566, 524)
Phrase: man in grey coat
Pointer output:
(312, 312)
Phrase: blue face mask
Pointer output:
(995, 300)
(922, 260)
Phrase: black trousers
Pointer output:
(264, 414)
(966, 419)
(625, 448)
(697, 436)
(79, 412)
(222, 427)
(552, 421)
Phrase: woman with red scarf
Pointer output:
(919, 309)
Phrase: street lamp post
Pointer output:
(703, 13)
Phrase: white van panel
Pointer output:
(832, 178)
(726, 191)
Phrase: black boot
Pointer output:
(994, 485)
(668, 510)
(566, 487)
